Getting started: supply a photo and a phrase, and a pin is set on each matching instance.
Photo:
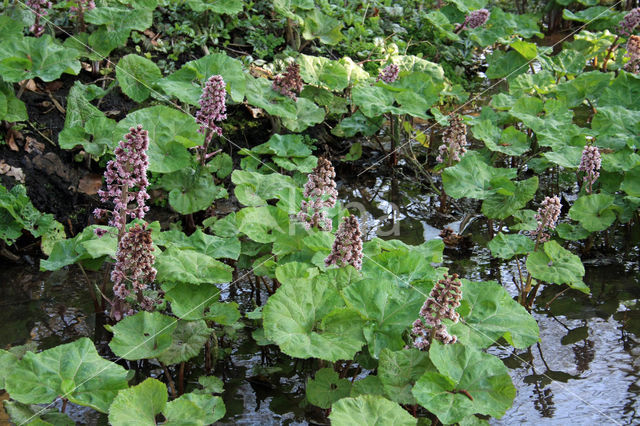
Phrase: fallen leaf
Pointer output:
(32, 145)
(11, 171)
(11, 142)
(90, 184)
(30, 85)
(255, 112)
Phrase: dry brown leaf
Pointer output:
(32, 145)
(11, 171)
(90, 184)
(11, 142)
(255, 112)
(30, 85)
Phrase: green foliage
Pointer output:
(369, 409)
(73, 370)
(18, 214)
(136, 76)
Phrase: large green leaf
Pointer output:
(326, 388)
(171, 132)
(472, 177)
(115, 24)
(188, 301)
(142, 336)
(400, 370)
(389, 310)
(14, 109)
(136, 76)
(323, 72)
(503, 202)
(284, 146)
(490, 313)
(369, 410)
(30, 57)
(505, 246)
(139, 405)
(194, 409)
(190, 192)
(323, 27)
(186, 83)
(307, 318)
(463, 369)
(594, 212)
(189, 338)
(555, 264)
(307, 114)
(254, 189)
(261, 95)
(262, 224)
(190, 266)
(74, 371)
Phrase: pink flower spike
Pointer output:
(389, 74)
(347, 247)
(213, 107)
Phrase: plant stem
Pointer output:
(609, 52)
(92, 291)
(172, 386)
(181, 379)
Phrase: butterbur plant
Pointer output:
(633, 54)
(289, 83)
(213, 108)
(38, 7)
(321, 192)
(126, 179)
(629, 22)
(347, 247)
(453, 147)
(389, 74)
(547, 218)
(79, 8)
(590, 165)
(442, 302)
(626, 27)
(133, 271)
(475, 19)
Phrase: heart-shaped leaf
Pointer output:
(142, 336)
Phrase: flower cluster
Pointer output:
(547, 217)
(347, 247)
(630, 22)
(212, 107)
(476, 19)
(82, 6)
(38, 7)
(590, 164)
(126, 178)
(454, 140)
(134, 265)
(321, 191)
(442, 302)
(633, 53)
(389, 74)
(289, 83)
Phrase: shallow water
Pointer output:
(586, 368)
